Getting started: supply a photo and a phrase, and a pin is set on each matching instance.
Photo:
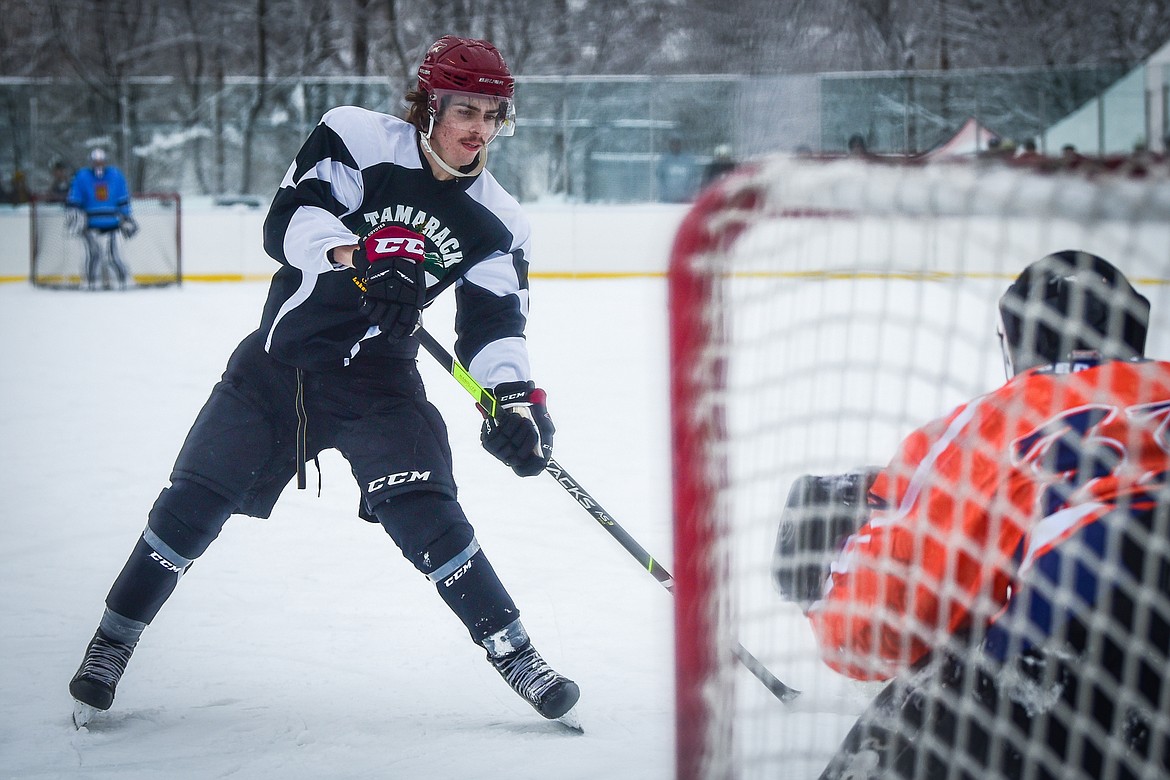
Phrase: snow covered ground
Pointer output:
(304, 646)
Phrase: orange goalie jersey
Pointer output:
(971, 499)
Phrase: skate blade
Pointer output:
(571, 720)
(82, 713)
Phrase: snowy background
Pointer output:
(305, 646)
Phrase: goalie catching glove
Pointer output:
(393, 279)
(819, 515)
(521, 433)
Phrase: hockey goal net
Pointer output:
(820, 312)
(152, 255)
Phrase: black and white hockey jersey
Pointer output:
(357, 171)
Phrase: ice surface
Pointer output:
(305, 646)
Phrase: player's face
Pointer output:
(466, 123)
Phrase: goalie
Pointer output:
(98, 210)
(1009, 569)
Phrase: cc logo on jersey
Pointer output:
(399, 245)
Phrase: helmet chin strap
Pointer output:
(425, 140)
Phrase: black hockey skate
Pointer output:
(552, 695)
(97, 678)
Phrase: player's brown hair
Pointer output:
(417, 109)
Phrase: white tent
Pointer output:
(1131, 112)
(1157, 87)
(971, 139)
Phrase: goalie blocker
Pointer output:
(820, 513)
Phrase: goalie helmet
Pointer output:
(1069, 302)
(465, 65)
(97, 157)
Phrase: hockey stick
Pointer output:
(486, 400)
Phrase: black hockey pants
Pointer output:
(244, 448)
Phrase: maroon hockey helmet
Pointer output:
(465, 65)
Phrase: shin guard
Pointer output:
(183, 522)
(147, 579)
(433, 534)
(469, 586)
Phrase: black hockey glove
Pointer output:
(393, 279)
(521, 433)
(819, 515)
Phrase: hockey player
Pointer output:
(1010, 567)
(99, 211)
(375, 218)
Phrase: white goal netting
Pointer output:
(821, 313)
(152, 256)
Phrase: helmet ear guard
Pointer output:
(1067, 302)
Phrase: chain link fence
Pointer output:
(580, 139)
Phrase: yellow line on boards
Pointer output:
(597, 275)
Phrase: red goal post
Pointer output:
(153, 255)
(820, 311)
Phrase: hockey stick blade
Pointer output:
(781, 691)
(487, 401)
